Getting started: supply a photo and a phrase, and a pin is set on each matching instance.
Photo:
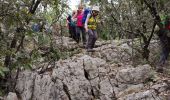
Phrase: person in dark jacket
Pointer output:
(164, 36)
(72, 27)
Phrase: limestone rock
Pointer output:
(134, 75)
(106, 74)
(11, 96)
(145, 95)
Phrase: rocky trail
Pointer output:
(106, 74)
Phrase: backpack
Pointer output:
(71, 22)
(36, 27)
(86, 12)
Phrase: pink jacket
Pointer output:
(79, 17)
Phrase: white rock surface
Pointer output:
(105, 74)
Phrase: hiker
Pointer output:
(90, 27)
(72, 26)
(164, 36)
(79, 26)
(36, 27)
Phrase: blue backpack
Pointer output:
(36, 27)
(86, 12)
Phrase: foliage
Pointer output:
(20, 46)
(130, 19)
(3, 70)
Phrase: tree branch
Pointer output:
(154, 13)
(33, 9)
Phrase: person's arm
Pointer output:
(67, 23)
(86, 22)
(74, 16)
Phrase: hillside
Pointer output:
(106, 74)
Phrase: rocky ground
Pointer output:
(106, 74)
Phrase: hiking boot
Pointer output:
(90, 50)
(77, 40)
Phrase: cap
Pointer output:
(96, 8)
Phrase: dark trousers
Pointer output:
(72, 32)
(164, 55)
(78, 31)
(165, 43)
(92, 37)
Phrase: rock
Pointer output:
(73, 76)
(32, 86)
(106, 74)
(94, 66)
(85, 77)
(145, 95)
(114, 53)
(129, 90)
(160, 87)
(11, 96)
(65, 42)
(46, 89)
(106, 88)
(134, 75)
(25, 84)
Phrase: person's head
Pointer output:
(95, 10)
(73, 13)
(80, 8)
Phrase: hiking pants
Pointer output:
(164, 55)
(165, 43)
(72, 32)
(92, 37)
(78, 31)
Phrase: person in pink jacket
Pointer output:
(79, 26)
